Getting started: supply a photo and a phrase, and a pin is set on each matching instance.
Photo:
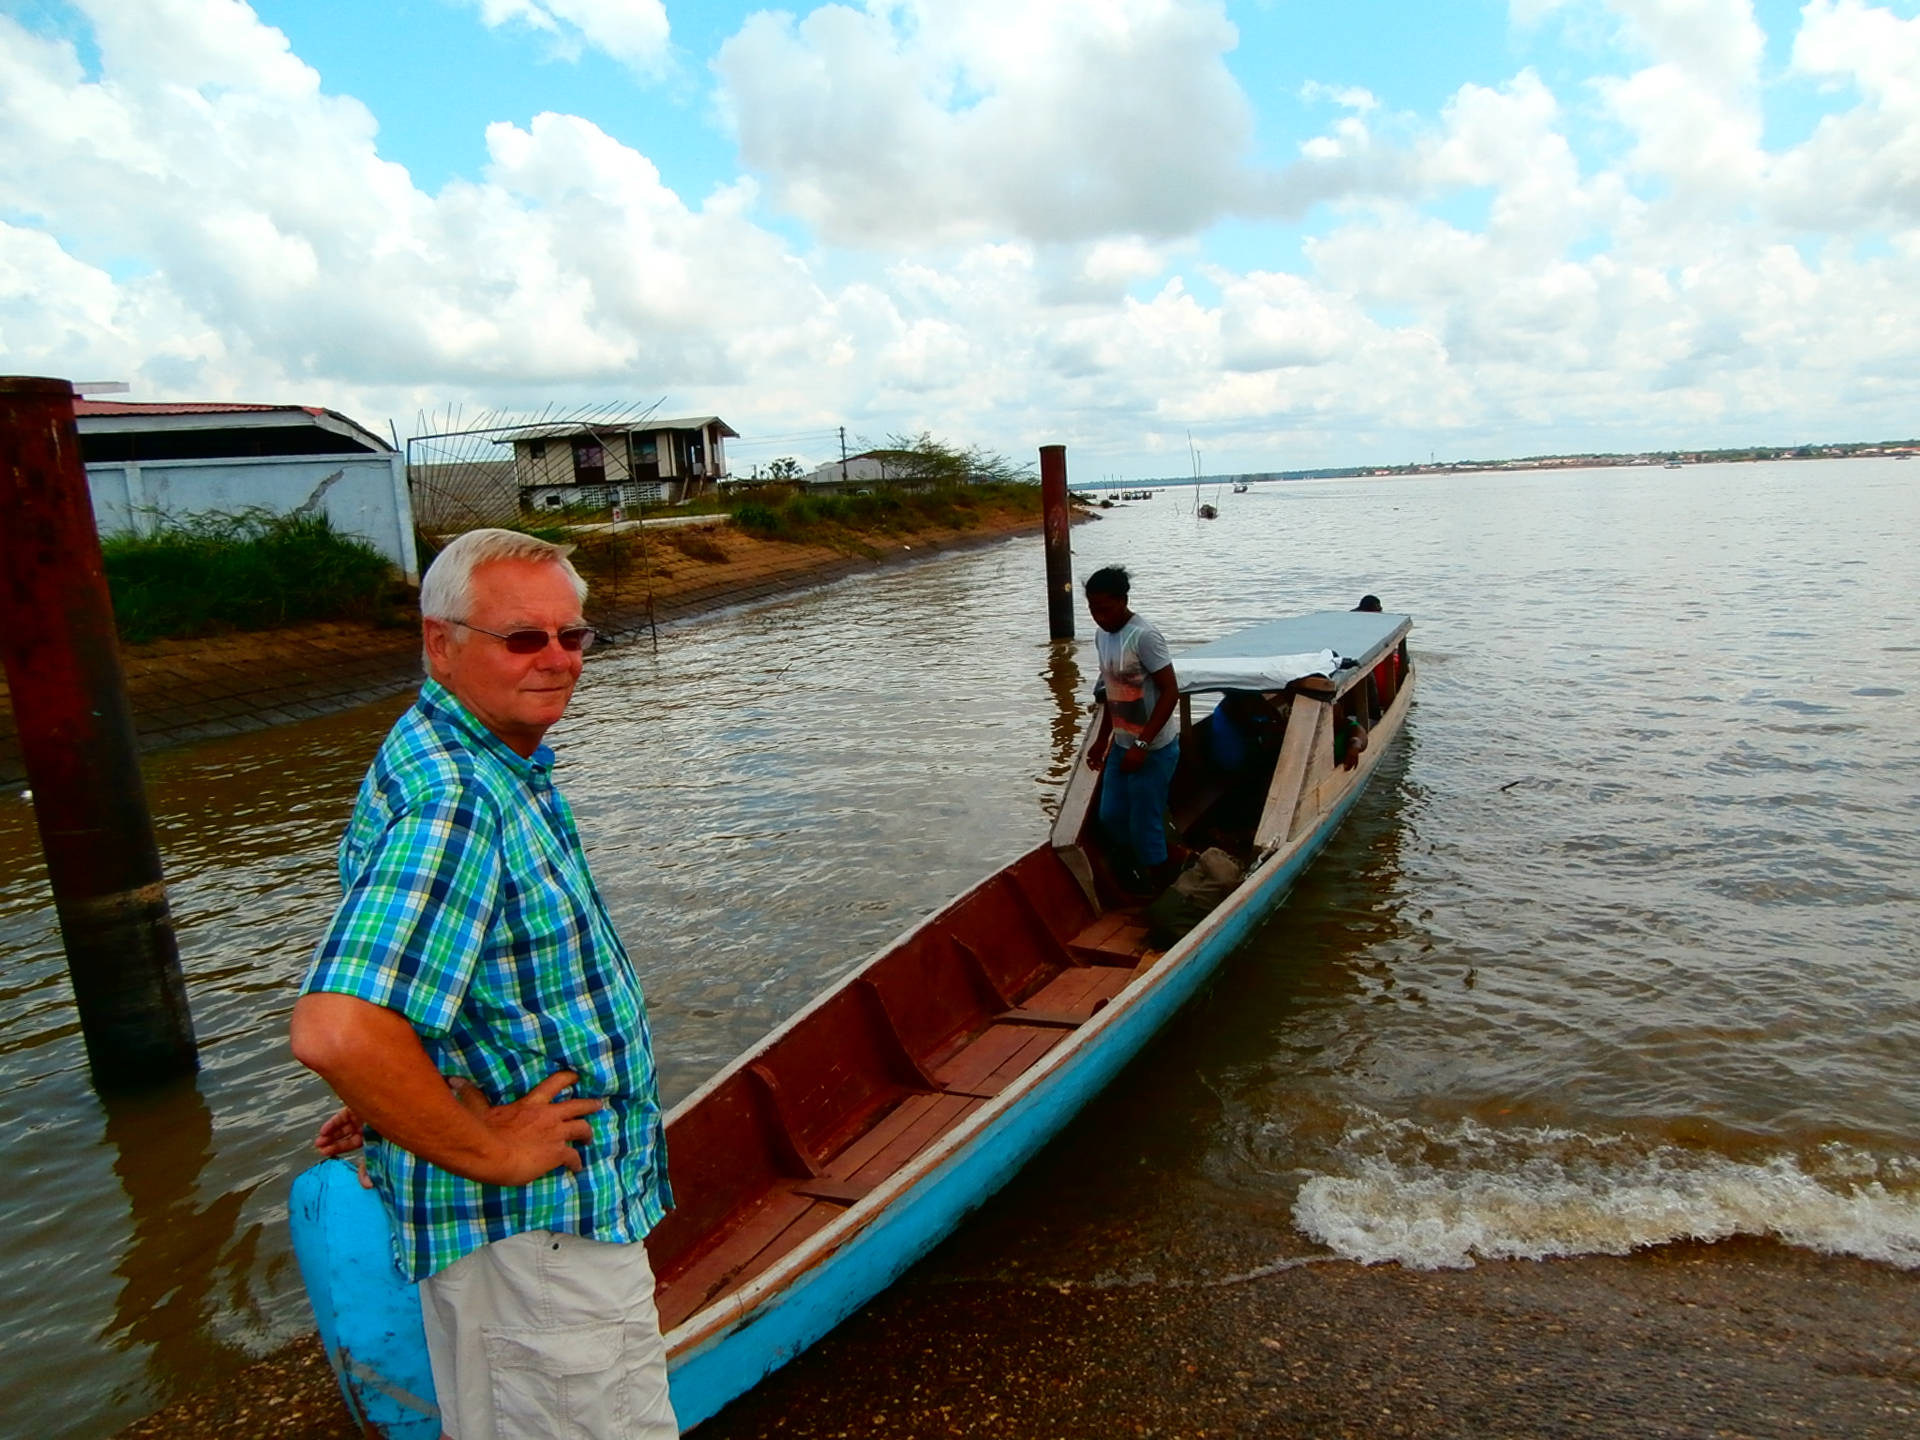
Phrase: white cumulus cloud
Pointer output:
(932, 120)
(634, 32)
(1001, 222)
(1861, 167)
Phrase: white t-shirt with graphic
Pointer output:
(1129, 657)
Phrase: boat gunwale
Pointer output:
(708, 1324)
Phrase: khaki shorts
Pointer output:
(544, 1336)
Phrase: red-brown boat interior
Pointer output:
(910, 1047)
(925, 1035)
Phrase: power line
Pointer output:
(794, 438)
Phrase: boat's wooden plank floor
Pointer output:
(998, 1056)
(1117, 938)
(793, 1210)
(781, 1221)
(912, 1125)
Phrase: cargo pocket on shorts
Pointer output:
(557, 1384)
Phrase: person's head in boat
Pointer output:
(1107, 591)
(1369, 603)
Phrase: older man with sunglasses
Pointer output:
(473, 1007)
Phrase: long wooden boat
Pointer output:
(813, 1170)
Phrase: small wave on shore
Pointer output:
(1442, 1198)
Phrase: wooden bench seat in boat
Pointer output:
(864, 1080)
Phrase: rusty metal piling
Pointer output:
(69, 699)
(1057, 509)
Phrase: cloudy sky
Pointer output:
(1301, 233)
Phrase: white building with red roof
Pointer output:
(148, 462)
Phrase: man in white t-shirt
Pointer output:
(1142, 747)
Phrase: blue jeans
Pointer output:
(1132, 807)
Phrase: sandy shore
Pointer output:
(1743, 1338)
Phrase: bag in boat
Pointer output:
(1207, 879)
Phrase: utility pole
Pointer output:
(69, 696)
(843, 454)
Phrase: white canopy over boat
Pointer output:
(1273, 655)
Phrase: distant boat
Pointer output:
(814, 1169)
(1676, 465)
(1239, 487)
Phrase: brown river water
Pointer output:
(1622, 946)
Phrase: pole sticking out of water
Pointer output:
(1057, 509)
(69, 700)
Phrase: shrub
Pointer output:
(775, 512)
(805, 510)
(247, 571)
(758, 518)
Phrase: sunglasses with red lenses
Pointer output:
(532, 642)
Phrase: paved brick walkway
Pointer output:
(187, 690)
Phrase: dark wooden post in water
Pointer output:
(76, 737)
(1059, 519)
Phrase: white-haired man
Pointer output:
(475, 1011)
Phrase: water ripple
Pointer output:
(1618, 947)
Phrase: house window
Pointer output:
(589, 461)
(537, 450)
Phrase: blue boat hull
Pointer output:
(368, 1313)
(369, 1316)
(708, 1376)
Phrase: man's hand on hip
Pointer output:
(536, 1126)
(376, 1064)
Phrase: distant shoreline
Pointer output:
(1876, 450)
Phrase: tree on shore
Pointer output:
(921, 457)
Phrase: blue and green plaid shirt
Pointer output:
(469, 909)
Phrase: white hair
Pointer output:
(446, 590)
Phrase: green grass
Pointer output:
(248, 571)
(778, 513)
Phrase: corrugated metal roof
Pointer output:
(122, 416)
(638, 427)
(181, 407)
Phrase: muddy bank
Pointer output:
(1743, 1338)
(187, 690)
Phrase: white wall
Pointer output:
(859, 467)
(364, 495)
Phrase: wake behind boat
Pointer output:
(812, 1171)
